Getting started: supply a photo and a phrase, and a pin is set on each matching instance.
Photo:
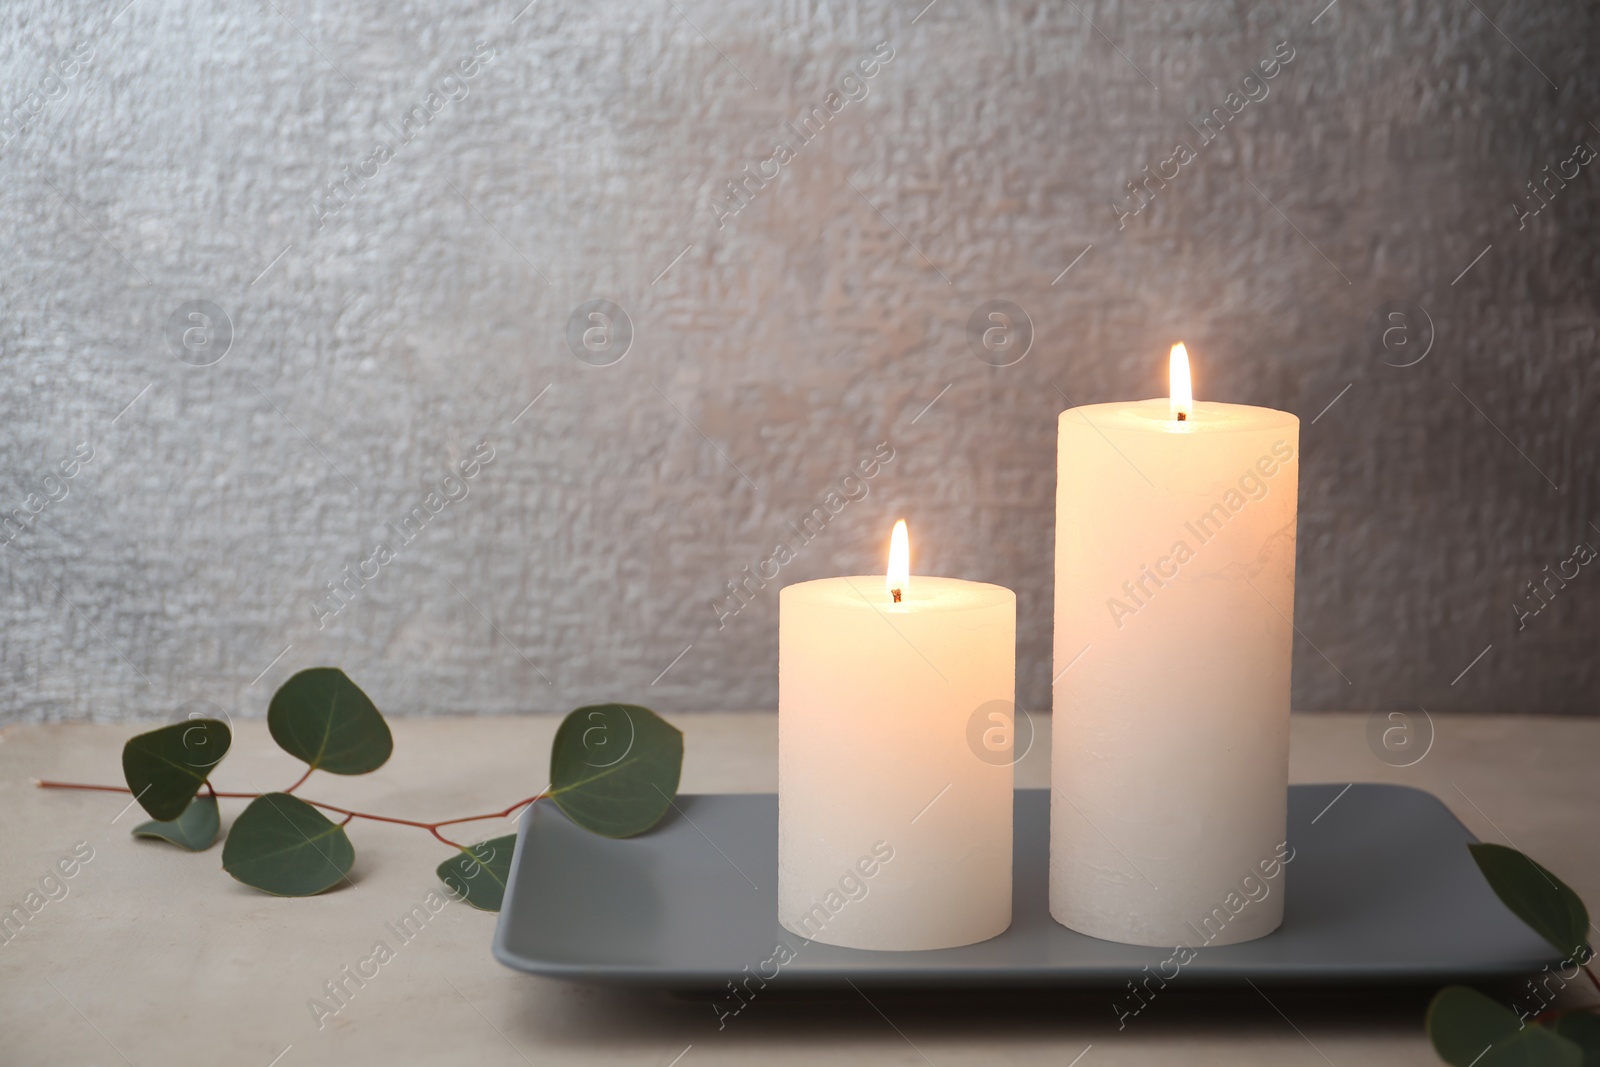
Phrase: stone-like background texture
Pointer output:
(190, 155)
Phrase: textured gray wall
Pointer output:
(190, 156)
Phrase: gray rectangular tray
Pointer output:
(1381, 889)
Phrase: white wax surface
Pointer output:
(1170, 749)
(874, 705)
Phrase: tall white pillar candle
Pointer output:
(894, 827)
(1175, 546)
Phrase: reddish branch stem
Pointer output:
(431, 827)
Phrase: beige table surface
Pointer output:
(155, 956)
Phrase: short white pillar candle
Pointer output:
(894, 831)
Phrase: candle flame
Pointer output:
(899, 578)
(1182, 394)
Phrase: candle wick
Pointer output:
(896, 593)
(1182, 416)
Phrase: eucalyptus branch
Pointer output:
(431, 827)
(614, 770)
(1466, 1026)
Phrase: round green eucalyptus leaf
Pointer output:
(196, 829)
(324, 718)
(614, 768)
(1470, 1030)
(166, 767)
(283, 846)
(1537, 897)
(1582, 1028)
(479, 874)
